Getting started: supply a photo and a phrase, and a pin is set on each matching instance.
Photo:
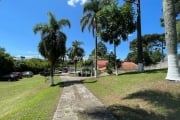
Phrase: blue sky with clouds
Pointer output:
(18, 17)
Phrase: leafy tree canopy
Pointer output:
(6, 62)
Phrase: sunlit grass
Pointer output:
(139, 96)
(28, 99)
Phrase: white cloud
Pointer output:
(74, 2)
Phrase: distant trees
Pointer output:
(53, 41)
(153, 46)
(6, 62)
(101, 51)
(76, 52)
(34, 64)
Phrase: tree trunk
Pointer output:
(75, 66)
(171, 40)
(115, 62)
(95, 72)
(51, 75)
(139, 44)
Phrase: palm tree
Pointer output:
(116, 23)
(76, 53)
(171, 40)
(53, 41)
(89, 20)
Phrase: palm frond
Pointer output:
(64, 22)
(53, 22)
(43, 28)
(86, 20)
(92, 6)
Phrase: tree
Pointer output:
(76, 53)
(101, 51)
(53, 41)
(153, 44)
(115, 23)
(89, 20)
(6, 62)
(171, 40)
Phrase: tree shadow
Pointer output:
(147, 71)
(160, 99)
(128, 113)
(73, 82)
(96, 113)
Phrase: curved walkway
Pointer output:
(78, 103)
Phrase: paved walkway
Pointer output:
(78, 103)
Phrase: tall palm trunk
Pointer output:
(115, 62)
(171, 40)
(95, 72)
(51, 75)
(96, 66)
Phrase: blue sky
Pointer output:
(18, 17)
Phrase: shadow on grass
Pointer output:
(128, 113)
(147, 71)
(160, 99)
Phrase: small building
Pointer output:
(128, 66)
(102, 65)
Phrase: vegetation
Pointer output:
(153, 45)
(34, 64)
(138, 96)
(53, 41)
(115, 23)
(28, 99)
(75, 53)
(101, 51)
(89, 20)
(6, 62)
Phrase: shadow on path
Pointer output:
(73, 82)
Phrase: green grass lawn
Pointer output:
(28, 99)
(138, 96)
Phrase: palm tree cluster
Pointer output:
(108, 21)
(76, 52)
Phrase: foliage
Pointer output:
(53, 41)
(6, 62)
(28, 99)
(34, 64)
(76, 52)
(153, 46)
(89, 19)
(115, 23)
(101, 51)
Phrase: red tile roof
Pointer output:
(128, 65)
(102, 64)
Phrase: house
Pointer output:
(128, 66)
(102, 65)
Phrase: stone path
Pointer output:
(78, 103)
